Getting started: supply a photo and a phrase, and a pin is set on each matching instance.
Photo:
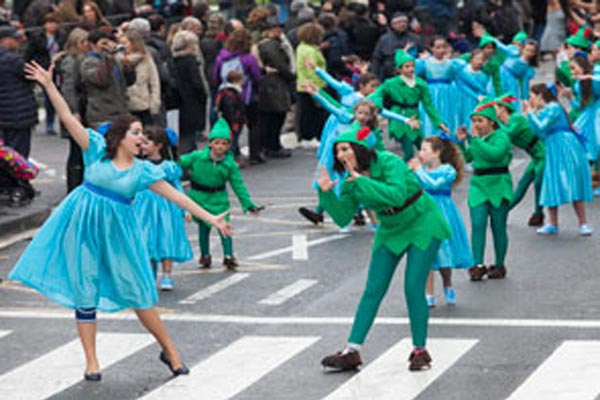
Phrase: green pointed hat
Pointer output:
(402, 58)
(356, 134)
(486, 109)
(581, 39)
(520, 37)
(486, 39)
(220, 130)
(507, 100)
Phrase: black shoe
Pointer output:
(205, 261)
(93, 377)
(230, 263)
(311, 215)
(281, 153)
(419, 360)
(342, 362)
(183, 370)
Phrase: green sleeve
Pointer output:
(186, 160)
(491, 151)
(512, 128)
(436, 120)
(378, 95)
(391, 191)
(239, 188)
(380, 146)
(341, 209)
(497, 82)
(466, 151)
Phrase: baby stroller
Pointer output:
(15, 173)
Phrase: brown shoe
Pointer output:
(359, 220)
(205, 261)
(310, 215)
(230, 263)
(477, 272)
(495, 272)
(419, 360)
(342, 362)
(536, 220)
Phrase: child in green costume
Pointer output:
(490, 189)
(409, 223)
(403, 94)
(517, 127)
(210, 170)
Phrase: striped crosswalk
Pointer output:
(570, 372)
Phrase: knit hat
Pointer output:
(402, 58)
(486, 39)
(356, 134)
(520, 37)
(507, 101)
(220, 130)
(581, 39)
(486, 109)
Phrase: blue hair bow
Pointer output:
(581, 53)
(444, 136)
(172, 135)
(551, 86)
(103, 128)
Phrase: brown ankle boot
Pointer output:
(419, 360)
(230, 263)
(477, 272)
(536, 220)
(342, 362)
(311, 215)
(496, 272)
(205, 261)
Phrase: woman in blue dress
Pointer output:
(566, 173)
(473, 84)
(163, 227)
(438, 168)
(89, 254)
(517, 71)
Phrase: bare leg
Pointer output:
(553, 213)
(87, 336)
(167, 266)
(429, 287)
(579, 208)
(151, 321)
(446, 274)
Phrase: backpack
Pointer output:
(235, 64)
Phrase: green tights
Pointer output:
(533, 174)
(382, 268)
(204, 237)
(408, 146)
(479, 220)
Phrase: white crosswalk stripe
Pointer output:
(286, 293)
(388, 377)
(64, 366)
(570, 373)
(216, 288)
(4, 333)
(233, 369)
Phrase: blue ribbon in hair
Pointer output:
(581, 53)
(103, 128)
(172, 135)
(444, 136)
(551, 86)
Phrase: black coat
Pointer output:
(18, 109)
(275, 88)
(37, 48)
(192, 111)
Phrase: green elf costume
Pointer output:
(520, 134)
(409, 223)
(403, 97)
(208, 179)
(580, 41)
(490, 192)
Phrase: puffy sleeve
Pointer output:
(96, 148)
(149, 174)
(541, 123)
(173, 174)
(445, 176)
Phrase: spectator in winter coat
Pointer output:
(442, 15)
(334, 46)
(18, 111)
(362, 31)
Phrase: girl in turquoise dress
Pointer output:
(473, 84)
(163, 227)
(89, 254)
(566, 173)
(438, 168)
(517, 71)
(586, 105)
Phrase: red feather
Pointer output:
(363, 133)
(509, 99)
(484, 106)
(587, 33)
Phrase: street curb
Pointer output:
(23, 222)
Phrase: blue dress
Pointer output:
(454, 252)
(470, 86)
(90, 252)
(440, 76)
(566, 173)
(163, 227)
(515, 73)
(588, 119)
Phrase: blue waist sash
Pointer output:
(107, 193)
(439, 80)
(438, 192)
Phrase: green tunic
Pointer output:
(520, 134)
(390, 184)
(204, 171)
(405, 101)
(491, 151)
(563, 74)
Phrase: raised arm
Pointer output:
(35, 72)
(509, 50)
(342, 88)
(339, 111)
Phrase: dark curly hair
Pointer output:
(364, 157)
(117, 131)
(449, 154)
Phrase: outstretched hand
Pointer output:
(34, 72)
(324, 180)
(462, 133)
(414, 123)
(223, 226)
